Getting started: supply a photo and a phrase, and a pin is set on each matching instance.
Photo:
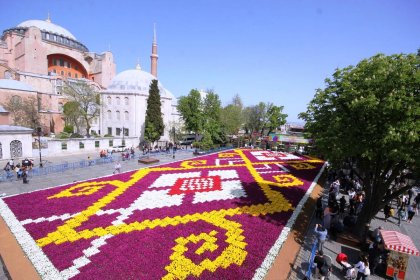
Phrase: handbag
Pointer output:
(367, 271)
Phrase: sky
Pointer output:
(264, 51)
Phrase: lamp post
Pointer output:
(123, 135)
(174, 146)
(38, 129)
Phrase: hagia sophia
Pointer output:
(38, 58)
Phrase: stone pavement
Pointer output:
(332, 248)
(80, 174)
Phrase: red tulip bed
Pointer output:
(220, 216)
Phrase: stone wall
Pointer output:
(71, 146)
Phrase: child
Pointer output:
(401, 214)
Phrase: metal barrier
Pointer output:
(311, 260)
(57, 168)
(39, 171)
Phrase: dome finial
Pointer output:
(48, 18)
(138, 64)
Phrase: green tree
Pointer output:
(24, 111)
(369, 115)
(211, 111)
(231, 116)
(275, 118)
(87, 98)
(190, 108)
(206, 142)
(72, 113)
(154, 126)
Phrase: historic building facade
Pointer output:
(42, 56)
(124, 104)
(38, 58)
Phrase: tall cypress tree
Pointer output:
(154, 126)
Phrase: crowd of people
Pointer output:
(345, 203)
(20, 169)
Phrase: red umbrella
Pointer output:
(399, 242)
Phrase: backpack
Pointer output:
(367, 271)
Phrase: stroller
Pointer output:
(348, 270)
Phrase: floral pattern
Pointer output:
(220, 216)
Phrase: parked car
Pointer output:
(116, 149)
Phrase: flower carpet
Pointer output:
(220, 216)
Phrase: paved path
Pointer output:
(332, 248)
(80, 174)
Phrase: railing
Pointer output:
(311, 260)
(57, 168)
(200, 152)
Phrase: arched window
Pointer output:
(60, 107)
(126, 115)
(109, 100)
(126, 100)
(15, 149)
(109, 115)
(118, 115)
(118, 101)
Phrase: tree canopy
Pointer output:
(190, 108)
(154, 126)
(24, 111)
(88, 100)
(72, 113)
(231, 116)
(211, 121)
(264, 118)
(369, 114)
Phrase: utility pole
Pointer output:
(38, 129)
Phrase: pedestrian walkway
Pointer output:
(333, 247)
(83, 172)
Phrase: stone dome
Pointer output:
(136, 81)
(48, 26)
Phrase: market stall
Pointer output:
(400, 247)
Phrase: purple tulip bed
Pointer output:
(220, 216)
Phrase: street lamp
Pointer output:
(38, 129)
(123, 136)
(174, 146)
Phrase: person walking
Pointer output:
(387, 211)
(117, 167)
(417, 201)
(410, 211)
(321, 235)
(319, 208)
(362, 268)
(410, 193)
(25, 175)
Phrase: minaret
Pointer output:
(154, 56)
